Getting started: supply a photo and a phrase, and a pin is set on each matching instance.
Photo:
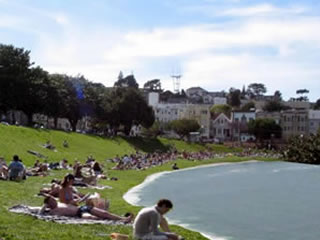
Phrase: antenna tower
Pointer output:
(176, 79)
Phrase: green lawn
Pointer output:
(17, 140)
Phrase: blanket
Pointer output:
(34, 211)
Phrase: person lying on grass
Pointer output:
(62, 209)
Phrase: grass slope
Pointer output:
(17, 140)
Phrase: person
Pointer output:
(62, 209)
(175, 166)
(65, 144)
(145, 226)
(66, 192)
(3, 169)
(16, 169)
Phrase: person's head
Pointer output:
(67, 180)
(16, 158)
(50, 202)
(164, 206)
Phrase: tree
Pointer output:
(234, 97)
(277, 96)
(128, 81)
(248, 106)
(302, 92)
(183, 127)
(274, 106)
(14, 77)
(126, 106)
(317, 105)
(303, 149)
(221, 108)
(243, 92)
(264, 128)
(256, 90)
(153, 85)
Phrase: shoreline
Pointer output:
(131, 196)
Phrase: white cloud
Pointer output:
(217, 56)
(261, 10)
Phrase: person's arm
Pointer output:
(154, 224)
(164, 224)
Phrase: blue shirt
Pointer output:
(15, 168)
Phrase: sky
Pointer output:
(213, 44)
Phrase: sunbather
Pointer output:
(66, 193)
(61, 209)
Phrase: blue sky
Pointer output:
(214, 44)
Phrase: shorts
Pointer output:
(84, 209)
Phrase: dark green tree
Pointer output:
(183, 127)
(248, 106)
(256, 90)
(274, 106)
(126, 107)
(303, 149)
(14, 77)
(128, 81)
(317, 105)
(153, 85)
(264, 128)
(234, 97)
(221, 108)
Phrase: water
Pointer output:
(246, 201)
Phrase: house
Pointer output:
(221, 127)
(240, 122)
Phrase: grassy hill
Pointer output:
(18, 140)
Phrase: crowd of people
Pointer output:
(140, 161)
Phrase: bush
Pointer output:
(304, 149)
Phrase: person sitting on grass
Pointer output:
(65, 144)
(66, 192)
(145, 226)
(16, 169)
(62, 209)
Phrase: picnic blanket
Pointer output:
(34, 211)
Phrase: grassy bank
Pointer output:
(17, 140)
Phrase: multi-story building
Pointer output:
(200, 113)
(221, 127)
(294, 122)
(314, 121)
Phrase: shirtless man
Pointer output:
(62, 209)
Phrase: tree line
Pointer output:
(31, 89)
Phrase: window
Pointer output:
(204, 112)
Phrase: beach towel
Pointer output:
(34, 211)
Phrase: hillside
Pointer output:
(18, 140)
